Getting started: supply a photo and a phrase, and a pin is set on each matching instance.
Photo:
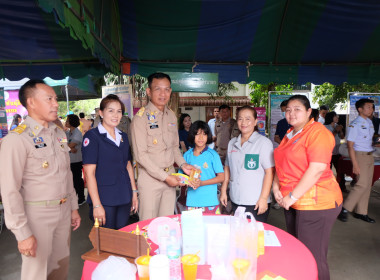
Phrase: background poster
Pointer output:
(261, 119)
(275, 114)
(3, 115)
(13, 106)
(124, 92)
(353, 113)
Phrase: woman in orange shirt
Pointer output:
(304, 184)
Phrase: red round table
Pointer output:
(292, 261)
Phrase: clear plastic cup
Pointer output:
(190, 266)
(142, 264)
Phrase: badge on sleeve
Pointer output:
(251, 161)
(86, 142)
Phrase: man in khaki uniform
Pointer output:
(155, 145)
(225, 129)
(37, 189)
(86, 124)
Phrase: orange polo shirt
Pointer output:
(313, 144)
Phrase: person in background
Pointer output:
(359, 144)
(86, 124)
(331, 123)
(315, 114)
(304, 184)
(323, 110)
(183, 132)
(204, 192)
(249, 168)
(97, 119)
(37, 190)
(282, 125)
(108, 168)
(17, 119)
(74, 140)
(225, 130)
(375, 121)
(211, 124)
(155, 145)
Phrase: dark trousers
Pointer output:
(76, 169)
(116, 216)
(313, 228)
(342, 180)
(251, 208)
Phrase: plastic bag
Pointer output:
(114, 268)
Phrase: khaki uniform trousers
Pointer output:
(157, 199)
(359, 196)
(51, 226)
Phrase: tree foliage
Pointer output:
(331, 95)
(85, 106)
(260, 92)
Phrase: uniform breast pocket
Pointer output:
(63, 154)
(154, 136)
(40, 161)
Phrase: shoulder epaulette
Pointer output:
(141, 112)
(19, 129)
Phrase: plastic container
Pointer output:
(173, 251)
(159, 268)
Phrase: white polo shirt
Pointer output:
(247, 165)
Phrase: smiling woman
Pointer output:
(108, 169)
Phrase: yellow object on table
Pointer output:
(142, 264)
(190, 266)
(241, 267)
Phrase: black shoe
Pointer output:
(343, 216)
(365, 218)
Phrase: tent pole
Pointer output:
(67, 98)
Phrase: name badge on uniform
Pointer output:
(41, 145)
(171, 124)
(153, 126)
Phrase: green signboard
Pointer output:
(194, 82)
(3, 115)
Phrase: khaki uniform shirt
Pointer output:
(34, 166)
(125, 126)
(155, 140)
(86, 126)
(225, 131)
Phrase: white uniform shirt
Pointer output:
(211, 124)
(321, 119)
(360, 131)
(247, 165)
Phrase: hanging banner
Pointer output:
(124, 92)
(13, 106)
(354, 97)
(194, 82)
(261, 119)
(3, 115)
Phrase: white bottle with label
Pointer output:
(173, 251)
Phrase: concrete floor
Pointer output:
(354, 251)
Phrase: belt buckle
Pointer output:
(63, 200)
(166, 169)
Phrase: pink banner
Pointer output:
(13, 105)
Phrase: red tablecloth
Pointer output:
(292, 260)
(345, 168)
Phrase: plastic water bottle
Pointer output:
(173, 251)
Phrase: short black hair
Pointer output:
(330, 117)
(361, 102)
(73, 120)
(159, 76)
(323, 107)
(301, 98)
(81, 115)
(26, 90)
(224, 106)
(199, 125)
(284, 103)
